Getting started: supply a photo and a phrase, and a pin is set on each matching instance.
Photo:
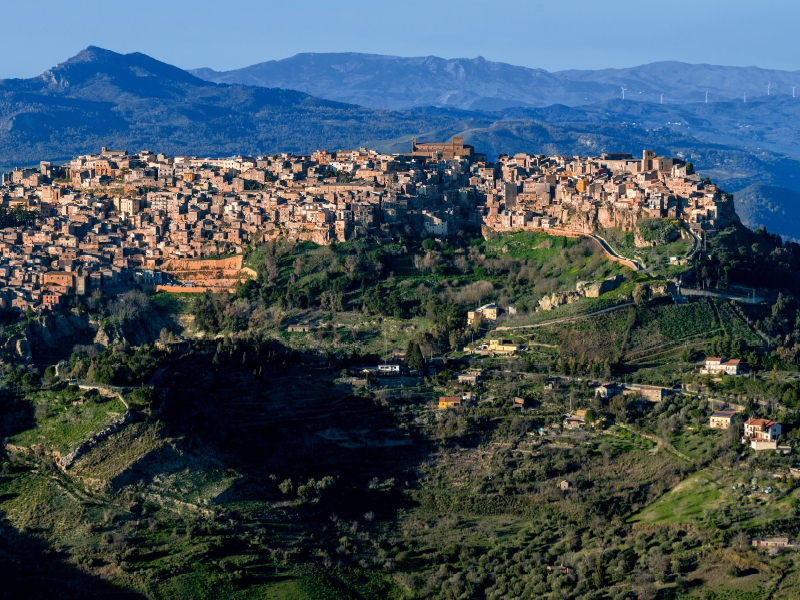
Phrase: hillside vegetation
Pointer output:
(244, 460)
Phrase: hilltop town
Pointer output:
(396, 363)
(113, 219)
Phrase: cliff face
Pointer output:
(727, 212)
(50, 330)
(52, 337)
(135, 333)
(609, 217)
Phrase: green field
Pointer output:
(65, 419)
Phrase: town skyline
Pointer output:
(112, 221)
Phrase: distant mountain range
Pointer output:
(101, 98)
(478, 84)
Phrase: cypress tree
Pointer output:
(414, 359)
(599, 575)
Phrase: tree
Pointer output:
(688, 354)
(619, 406)
(599, 573)
(414, 359)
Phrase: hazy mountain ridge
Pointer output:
(397, 82)
(476, 83)
(104, 98)
(763, 122)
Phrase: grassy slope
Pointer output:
(189, 522)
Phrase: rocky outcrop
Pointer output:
(51, 330)
(609, 217)
(22, 348)
(558, 298)
(137, 332)
(598, 288)
(584, 289)
(726, 212)
(662, 288)
(109, 335)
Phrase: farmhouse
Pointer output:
(520, 403)
(722, 366)
(606, 390)
(571, 422)
(762, 434)
(652, 393)
(502, 347)
(648, 392)
(471, 377)
(771, 542)
(487, 312)
(449, 401)
(722, 419)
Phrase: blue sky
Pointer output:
(554, 35)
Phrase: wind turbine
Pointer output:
(769, 84)
(623, 92)
(794, 86)
(706, 97)
(662, 98)
(745, 97)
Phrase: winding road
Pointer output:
(634, 264)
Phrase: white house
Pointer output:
(722, 366)
(389, 369)
(762, 434)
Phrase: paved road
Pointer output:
(635, 265)
(566, 319)
(695, 243)
(607, 247)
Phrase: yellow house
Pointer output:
(503, 347)
(487, 312)
(722, 419)
(449, 401)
